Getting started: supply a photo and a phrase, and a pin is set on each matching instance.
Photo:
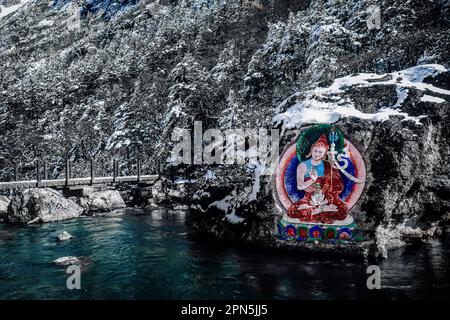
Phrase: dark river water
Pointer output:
(152, 256)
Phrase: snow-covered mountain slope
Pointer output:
(121, 75)
(9, 8)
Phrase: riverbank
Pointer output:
(258, 231)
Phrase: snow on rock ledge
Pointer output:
(7, 10)
(328, 105)
(392, 237)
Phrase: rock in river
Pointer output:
(40, 205)
(64, 236)
(72, 260)
(101, 201)
(67, 261)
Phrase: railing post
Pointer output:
(92, 171)
(67, 171)
(38, 175)
(45, 171)
(139, 170)
(114, 171)
(16, 172)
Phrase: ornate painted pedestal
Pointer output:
(338, 232)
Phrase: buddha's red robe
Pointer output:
(331, 188)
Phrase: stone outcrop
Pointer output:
(40, 205)
(67, 261)
(101, 201)
(72, 260)
(64, 236)
(4, 201)
(405, 197)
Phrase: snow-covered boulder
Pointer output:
(160, 191)
(72, 260)
(67, 261)
(64, 236)
(101, 201)
(40, 205)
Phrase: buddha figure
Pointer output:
(322, 185)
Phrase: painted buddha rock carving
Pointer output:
(322, 185)
(320, 176)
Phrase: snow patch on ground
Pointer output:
(72, 11)
(258, 171)
(181, 180)
(389, 237)
(326, 105)
(428, 98)
(46, 23)
(228, 205)
(237, 199)
(233, 218)
(210, 175)
(4, 11)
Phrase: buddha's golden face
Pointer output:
(318, 153)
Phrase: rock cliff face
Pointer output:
(121, 81)
(405, 151)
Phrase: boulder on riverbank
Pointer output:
(160, 191)
(101, 201)
(4, 202)
(40, 205)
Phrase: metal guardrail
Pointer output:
(69, 181)
(76, 181)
